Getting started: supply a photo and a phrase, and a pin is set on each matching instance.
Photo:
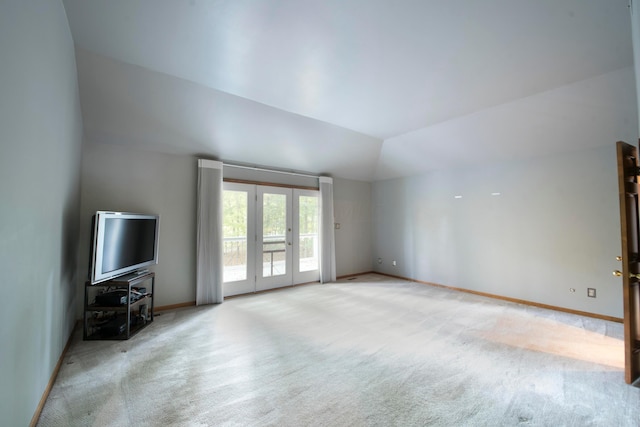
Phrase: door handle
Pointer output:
(618, 273)
(289, 243)
(618, 258)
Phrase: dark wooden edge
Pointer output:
(269, 184)
(127, 280)
(52, 380)
(509, 299)
(174, 306)
(632, 364)
(346, 276)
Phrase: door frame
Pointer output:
(254, 283)
(628, 171)
(281, 280)
(303, 276)
(249, 284)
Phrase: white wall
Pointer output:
(124, 103)
(635, 37)
(573, 117)
(116, 178)
(555, 226)
(352, 210)
(119, 178)
(40, 146)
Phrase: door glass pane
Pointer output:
(235, 217)
(274, 232)
(308, 229)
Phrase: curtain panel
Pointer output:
(327, 236)
(209, 233)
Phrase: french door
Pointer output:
(274, 243)
(271, 237)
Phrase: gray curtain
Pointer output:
(209, 238)
(327, 237)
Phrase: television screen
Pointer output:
(122, 243)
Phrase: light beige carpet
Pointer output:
(372, 351)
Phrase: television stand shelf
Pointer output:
(119, 308)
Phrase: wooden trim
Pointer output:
(346, 276)
(240, 295)
(264, 291)
(626, 156)
(174, 306)
(270, 184)
(509, 299)
(52, 380)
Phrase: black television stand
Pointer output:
(118, 308)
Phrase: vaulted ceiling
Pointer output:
(361, 89)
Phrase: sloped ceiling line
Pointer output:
(359, 89)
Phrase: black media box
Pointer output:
(111, 299)
(113, 327)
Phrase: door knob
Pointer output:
(618, 258)
(289, 243)
(618, 273)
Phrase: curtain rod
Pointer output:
(255, 168)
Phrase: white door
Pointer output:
(275, 238)
(306, 236)
(270, 237)
(239, 212)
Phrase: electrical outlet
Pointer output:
(591, 292)
(394, 262)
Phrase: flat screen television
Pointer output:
(122, 243)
